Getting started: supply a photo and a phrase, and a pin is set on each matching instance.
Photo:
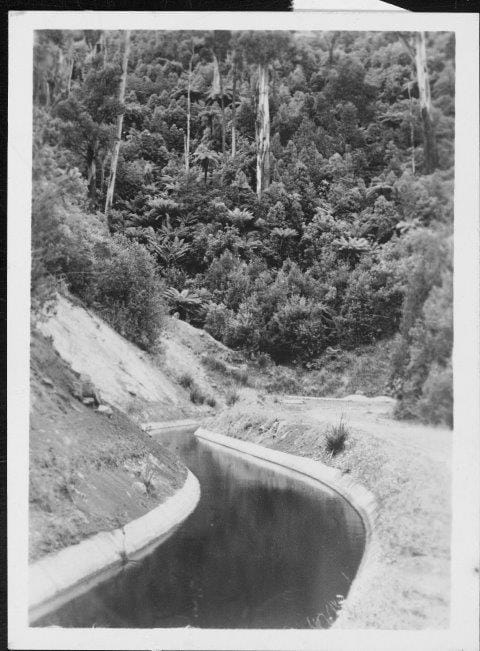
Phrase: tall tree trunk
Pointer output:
(429, 141)
(224, 125)
(116, 147)
(412, 130)
(331, 48)
(46, 87)
(234, 109)
(274, 85)
(216, 75)
(92, 171)
(100, 46)
(262, 132)
(189, 117)
(70, 76)
(218, 90)
(102, 173)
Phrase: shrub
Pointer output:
(54, 192)
(185, 380)
(240, 375)
(218, 321)
(324, 382)
(336, 438)
(128, 292)
(263, 360)
(228, 280)
(211, 402)
(299, 330)
(283, 316)
(231, 397)
(436, 404)
(197, 396)
(422, 355)
(213, 363)
(371, 306)
(188, 304)
(112, 274)
(284, 381)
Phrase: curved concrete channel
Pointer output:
(309, 470)
(64, 575)
(73, 571)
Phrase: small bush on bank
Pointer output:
(263, 360)
(128, 292)
(240, 375)
(284, 380)
(232, 397)
(197, 396)
(219, 322)
(421, 359)
(336, 438)
(436, 404)
(185, 380)
(343, 372)
(214, 364)
(114, 275)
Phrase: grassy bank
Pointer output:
(406, 468)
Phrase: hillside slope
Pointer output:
(123, 374)
(92, 467)
(90, 470)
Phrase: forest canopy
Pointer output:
(290, 192)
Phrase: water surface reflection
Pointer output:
(260, 551)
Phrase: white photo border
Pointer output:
(463, 631)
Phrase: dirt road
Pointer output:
(373, 416)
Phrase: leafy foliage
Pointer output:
(347, 246)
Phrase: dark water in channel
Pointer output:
(260, 551)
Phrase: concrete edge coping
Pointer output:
(350, 398)
(361, 499)
(70, 572)
(170, 424)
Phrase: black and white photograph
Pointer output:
(239, 423)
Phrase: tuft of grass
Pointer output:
(215, 364)
(186, 381)
(283, 380)
(240, 375)
(336, 438)
(263, 360)
(147, 473)
(232, 397)
(196, 395)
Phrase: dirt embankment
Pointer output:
(405, 465)
(90, 470)
(91, 466)
(126, 377)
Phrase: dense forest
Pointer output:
(291, 193)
